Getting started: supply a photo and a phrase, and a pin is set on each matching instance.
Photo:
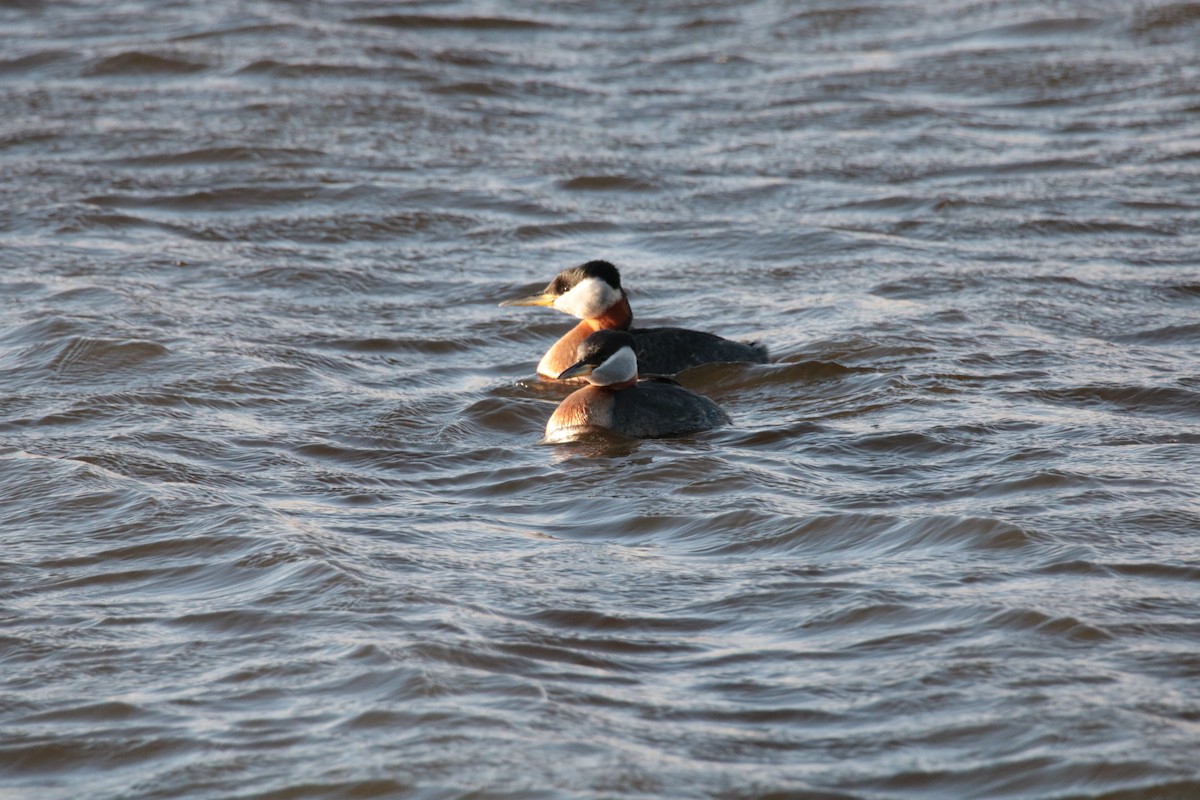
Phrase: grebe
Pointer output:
(592, 292)
(617, 401)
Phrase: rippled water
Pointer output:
(276, 519)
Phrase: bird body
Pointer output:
(616, 400)
(593, 293)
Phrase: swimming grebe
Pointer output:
(617, 401)
(592, 292)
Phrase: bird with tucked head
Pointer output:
(616, 400)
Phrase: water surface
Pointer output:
(276, 521)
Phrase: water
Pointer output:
(276, 520)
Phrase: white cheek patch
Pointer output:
(590, 298)
(617, 368)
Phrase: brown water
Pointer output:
(276, 520)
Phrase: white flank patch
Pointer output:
(619, 367)
(590, 298)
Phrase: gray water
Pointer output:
(276, 519)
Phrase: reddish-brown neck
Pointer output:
(561, 354)
(618, 317)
